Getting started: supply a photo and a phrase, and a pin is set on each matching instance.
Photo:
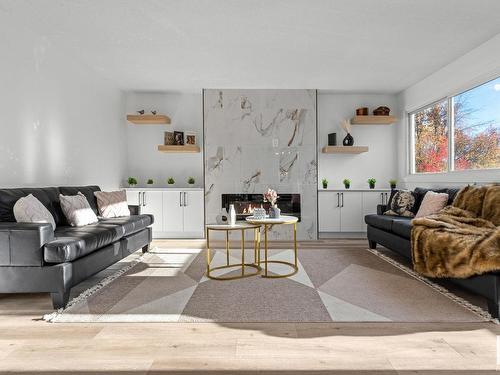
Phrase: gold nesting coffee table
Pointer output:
(265, 223)
(239, 226)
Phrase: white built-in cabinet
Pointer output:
(178, 213)
(344, 210)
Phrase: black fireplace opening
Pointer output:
(244, 204)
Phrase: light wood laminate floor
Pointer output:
(30, 345)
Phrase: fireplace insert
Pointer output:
(245, 203)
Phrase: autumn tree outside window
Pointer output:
(458, 133)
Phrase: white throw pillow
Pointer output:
(77, 210)
(432, 203)
(112, 203)
(30, 210)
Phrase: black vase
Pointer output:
(348, 140)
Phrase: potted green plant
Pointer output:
(170, 181)
(393, 183)
(191, 181)
(150, 182)
(347, 183)
(132, 182)
(325, 183)
(371, 183)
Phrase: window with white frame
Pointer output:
(457, 133)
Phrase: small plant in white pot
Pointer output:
(191, 181)
(132, 182)
(371, 183)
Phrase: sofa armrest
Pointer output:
(134, 209)
(381, 208)
(21, 244)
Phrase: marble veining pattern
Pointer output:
(255, 139)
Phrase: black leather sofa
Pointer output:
(35, 259)
(394, 233)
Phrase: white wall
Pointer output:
(61, 124)
(478, 66)
(144, 161)
(379, 162)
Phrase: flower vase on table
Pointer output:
(274, 212)
(271, 196)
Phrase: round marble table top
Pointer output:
(238, 225)
(281, 220)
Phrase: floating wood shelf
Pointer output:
(179, 149)
(148, 119)
(373, 120)
(344, 149)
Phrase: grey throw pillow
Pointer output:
(402, 204)
(30, 210)
(77, 210)
(112, 203)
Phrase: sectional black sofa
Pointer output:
(394, 233)
(35, 258)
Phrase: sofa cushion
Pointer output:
(48, 196)
(402, 227)
(30, 210)
(77, 210)
(71, 243)
(131, 224)
(420, 192)
(383, 222)
(432, 203)
(402, 203)
(112, 203)
(88, 191)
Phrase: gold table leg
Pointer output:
(227, 247)
(242, 252)
(228, 265)
(265, 247)
(295, 243)
(294, 265)
(208, 252)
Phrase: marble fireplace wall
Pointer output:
(255, 139)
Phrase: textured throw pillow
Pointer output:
(30, 210)
(77, 210)
(112, 204)
(401, 204)
(432, 203)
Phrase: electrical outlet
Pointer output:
(275, 142)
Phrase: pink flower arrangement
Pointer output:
(270, 196)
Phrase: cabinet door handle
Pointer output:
(139, 199)
(386, 199)
(144, 199)
(381, 198)
(180, 199)
(338, 199)
(185, 199)
(342, 194)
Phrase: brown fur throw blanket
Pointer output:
(461, 240)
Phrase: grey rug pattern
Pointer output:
(332, 285)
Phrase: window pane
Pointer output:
(430, 127)
(477, 127)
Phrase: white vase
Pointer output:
(232, 215)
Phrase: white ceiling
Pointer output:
(339, 45)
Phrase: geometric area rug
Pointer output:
(332, 285)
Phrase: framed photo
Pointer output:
(190, 138)
(169, 138)
(179, 138)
